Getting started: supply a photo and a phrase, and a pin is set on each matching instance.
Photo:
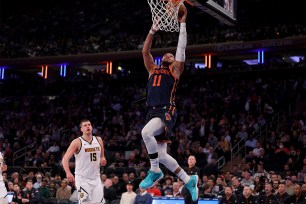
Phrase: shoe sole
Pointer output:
(197, 180)
(153, 182)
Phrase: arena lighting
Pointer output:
(157, 60)
(119, 68)
(2, 73)
(261, 57)
(199, 65)
(207, 59)
(296, 59)
(109, 68)
(251, 61)
(63, 70)
(44, 71)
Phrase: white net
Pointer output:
(165, 13)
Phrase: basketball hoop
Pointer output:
(165, 14)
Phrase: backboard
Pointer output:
(224, 10)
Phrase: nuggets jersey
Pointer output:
(161, 87)
(87, 160)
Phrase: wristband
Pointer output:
(152, 32)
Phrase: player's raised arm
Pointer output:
(179, 63)
(146, 51)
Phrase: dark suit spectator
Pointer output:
(268, 197)
(237, 187)
(117, 185)
(246, 196)
(228, 197)
(30, 194)
(281, 195)
(109, 191)
(298, 196)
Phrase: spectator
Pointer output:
(30, 194)
(117, 185)
(109, 191)
(143, 197)
(268, 197)
(237, 187)
(154, 191)
(63, 192)
(247, 180)
(38, 182)
(52, 189)
(281, 195)
(176, 190)
(17, 195)
(207, 192)
(43, 190)
(297, 197)
(246, 196)
(228, 196)
(129, 196)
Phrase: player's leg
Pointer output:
(84, 190)
(191, 182)
(154, 127)
(3, 201)
(3, 194)
(97, 196)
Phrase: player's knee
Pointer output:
(145, 132)
(162, 157)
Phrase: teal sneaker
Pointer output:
(151, 178)
(192, 186)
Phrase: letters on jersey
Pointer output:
(94, 149)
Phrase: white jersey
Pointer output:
(87, 160)
(1, 165)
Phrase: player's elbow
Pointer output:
(145, 52)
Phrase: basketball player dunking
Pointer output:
(161, 110)
(89, 155)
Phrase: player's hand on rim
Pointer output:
(184, 16)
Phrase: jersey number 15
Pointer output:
(93, 156)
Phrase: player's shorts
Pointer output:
(3, 191)
(89, 190)
(168, 115)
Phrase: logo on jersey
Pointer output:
(81, 195)
(93, 149)
(168, 116)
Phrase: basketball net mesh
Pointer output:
(164, 14)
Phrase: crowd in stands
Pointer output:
(75, 27)
(215, 112)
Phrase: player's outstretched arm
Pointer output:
(146, 50)
(180, 56)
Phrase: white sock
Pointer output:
(155, 165)
(183, 176)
